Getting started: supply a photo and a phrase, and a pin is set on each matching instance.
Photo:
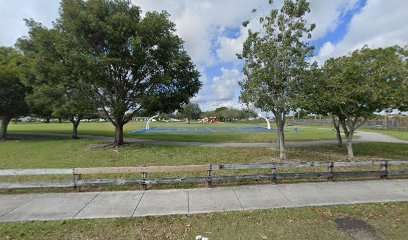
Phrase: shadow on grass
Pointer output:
(35, 138)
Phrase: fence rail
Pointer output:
(329, 173)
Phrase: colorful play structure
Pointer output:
(209, 120)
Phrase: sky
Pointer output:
(213, 32)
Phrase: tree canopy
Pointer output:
(56, 90)
(274, 57)
(12, 89)
(230, 114)
(132, 63)
(353, 87)
(191, 111)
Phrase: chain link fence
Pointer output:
(389, 123)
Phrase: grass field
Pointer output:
(107, 129)
(46, 152)
(43, 152)
(381, 221)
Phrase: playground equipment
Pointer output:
(209, 120)
(150, 120)
(267, 122)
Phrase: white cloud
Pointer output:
(379, 24)
(222, 92)
(229, 47)
(327, 14)
(325, 53)
(12, 14)
(224, 86)
(326, 49)
(201, 23)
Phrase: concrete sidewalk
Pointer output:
(90, 205)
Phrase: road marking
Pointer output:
(210, 129)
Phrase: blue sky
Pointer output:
(341, 29)
(213, 32)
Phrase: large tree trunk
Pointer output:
(280, 124)
(118, 135)
(75, 131)
(348, 129)
(350, 152)
(4, 124)
(75, 124)
(47, 119)
(281, 141)
(336, 125)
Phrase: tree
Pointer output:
(274, 57)
(56, 90)
(12, 90)
(38, 48)
(42, 100)
(74, 107)
(368, 79)
(220, 109)
(310, 94)
(230, 114)
(191, 111)
(132, 63)
(248, 113)
(353, 87)
(400, 89)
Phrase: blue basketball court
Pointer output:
(203, 130)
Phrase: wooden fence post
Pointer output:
(209, 173)
(77, 177)
(384, 168)
(331, 172)
(144, 176)
(274, 178)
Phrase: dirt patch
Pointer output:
(101, 146)
(357, 229)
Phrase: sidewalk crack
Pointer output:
(85, 205)
(138, 203)
(287, 198)
(20, 206)
(236, 195)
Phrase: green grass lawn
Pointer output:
(107, 129)
(45, 152)
(385, 221)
